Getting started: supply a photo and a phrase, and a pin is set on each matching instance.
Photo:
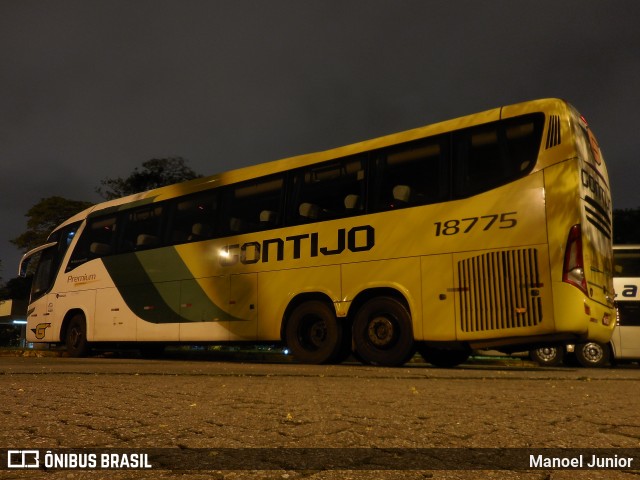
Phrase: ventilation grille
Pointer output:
(500, 290)
(553, 134)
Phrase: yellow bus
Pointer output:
(490, 230)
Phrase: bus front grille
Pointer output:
(500, 290)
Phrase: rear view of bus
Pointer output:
(551, 281)
(580, 220)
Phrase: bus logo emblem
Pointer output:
(40, 330)
(23, 459)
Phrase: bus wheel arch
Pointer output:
(382, 327)
(74, 333)
(312, 331)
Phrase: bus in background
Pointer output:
(625, 340)
(490, 230)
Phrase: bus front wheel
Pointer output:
(313, 334)
(76, 336)
(382, 332)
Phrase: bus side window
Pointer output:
(478, 160)
(488, 156)
(194, 218)
(97, 240)
(628, 314)
(327, 191)
(142, 229)
(254, 205)
(523, 136)
(627, 263)
(414, 173)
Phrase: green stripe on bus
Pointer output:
(151, 285)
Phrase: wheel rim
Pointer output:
(75, 337)
(592, 352)
(547, 354)
(313, 333)
(381, 331)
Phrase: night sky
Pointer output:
(91, 89)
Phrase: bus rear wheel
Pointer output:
(548, 356)
(382, 332)
(76, 336)
(313, 334)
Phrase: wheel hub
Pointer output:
(75, 337)
(592, 353)
(381, 331)
(547, 353)
(318, 333)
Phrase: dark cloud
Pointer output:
(90, 90)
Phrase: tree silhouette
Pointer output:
(43, 217)
(154, 173)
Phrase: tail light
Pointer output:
(573, 269)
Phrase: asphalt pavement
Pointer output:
(196, 405)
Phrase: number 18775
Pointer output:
(485, 222)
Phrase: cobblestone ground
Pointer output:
(54, 403)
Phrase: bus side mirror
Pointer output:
(24, 265)
(26, 258)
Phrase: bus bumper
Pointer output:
(593, 322)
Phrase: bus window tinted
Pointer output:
(494, 154)
(330, 190)
(96, 240)
(195, 218)
(142, 229)
(628, 314)
(255, 205)
(627, 263)
(413, 174)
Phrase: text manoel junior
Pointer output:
(540, 461)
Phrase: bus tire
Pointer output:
(313, 333)
(76, 336)
(382, 332)
(592, 354)
(443, 358)
(548, 356)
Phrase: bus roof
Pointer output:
(276, 166)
